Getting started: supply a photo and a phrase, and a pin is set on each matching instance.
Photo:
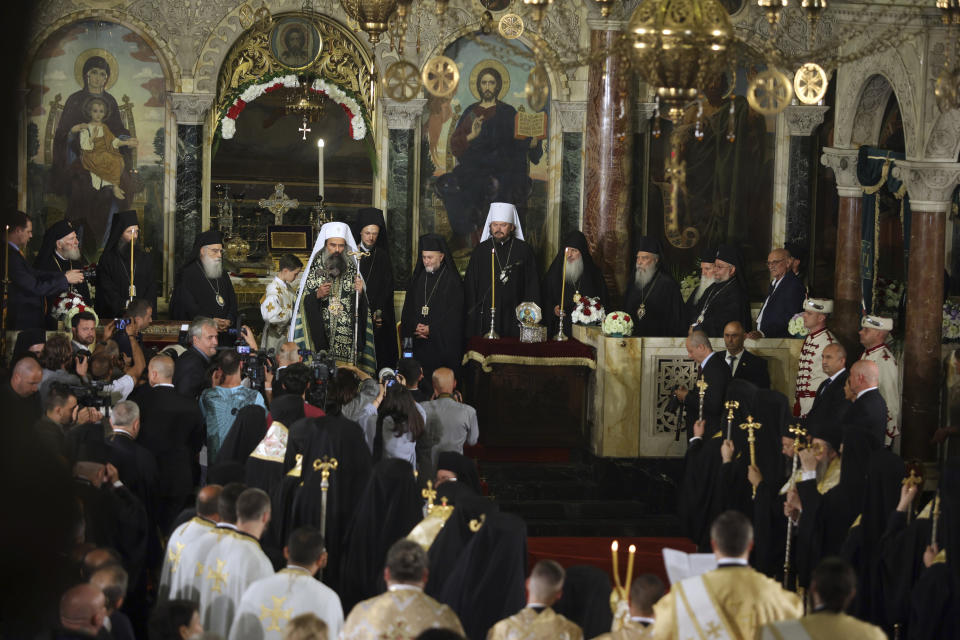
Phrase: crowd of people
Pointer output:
(204, 491)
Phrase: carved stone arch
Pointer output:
(944, 140)
(559, 79)
(862, 94)
(228, 31)
(343, 60)
(172, 72)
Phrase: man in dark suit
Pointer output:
(784, 299)
(135, 464)
(831, 402)
(171, 429)
(869, 411)
(714, 371)
(190, 376)
(743, 364)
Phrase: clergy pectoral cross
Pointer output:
(304, 129)
(175, 557)
(278, 204)
(430, 494)
(701, 390)
(219, 577)
(913, 479)
(276, 614)
(325, 465)
(750, 427)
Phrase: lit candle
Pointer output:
(563, 278)
(493, 280)
(616, 574)
(633, 551)
(320, 166)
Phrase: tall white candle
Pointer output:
(320, 166)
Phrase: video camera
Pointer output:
(89, 272)
(324, 369)
(254, 365)
(93, 394)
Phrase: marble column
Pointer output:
(402, 120)
(190, 110)
(929, 185)
(802, 122)
(847, 291)
(609, 151)
(572, 116)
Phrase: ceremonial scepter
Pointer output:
(492, 334)
(6, 289)
(730, 405)
(702, 391)
(914, 479)
(356, 305)
(132, 291)
(798, 432)
(750, 427)
(560, 337)
(324, 465)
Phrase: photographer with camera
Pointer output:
(62, 412)
(139, 313)
(220, 404)
(62, 364)
(107, 357)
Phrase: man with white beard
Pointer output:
(653, 296)
(203, 287)
(726, 300)
(695, 302)
(583, 279)
(60, 252)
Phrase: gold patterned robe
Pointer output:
(745, 600)
(824, 625)
(530, 625)
(629, 631)
(399, 614)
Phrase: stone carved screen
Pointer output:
(462, 170)
(671, 373)
(95, 113)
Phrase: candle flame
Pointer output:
(633, 548)
(614, 546)
(320, 142)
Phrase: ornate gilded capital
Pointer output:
(606, 24)
(802, 120)
(190, 108)
(402, 115)
(929, 184)
(572, 115)
(642, 112)
(844, 165)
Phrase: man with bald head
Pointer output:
(287, 354)
(869, 411)
(171, 428)
(83, 609)
(20, 396)
(784, 298)
(743, 364)
(206, 519)
(450, 422)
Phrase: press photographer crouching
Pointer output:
(61, 363)
(62, 412)
(112, 376)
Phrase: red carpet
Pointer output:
(517, 454)
(596, 552)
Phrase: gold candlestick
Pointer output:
(750, 427)
(561, 336)
(492, 334)
(132, 291)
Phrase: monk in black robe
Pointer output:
(377, 271)
(60, 252)
(726, 300)
(653, 296)
(113, 269)
(583, 278)
(697, 297)
(515, 273)
(202, 287)
(433, 309)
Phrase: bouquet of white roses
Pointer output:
(70, 304)
(795, 326)
(618, 324)
(587, 311)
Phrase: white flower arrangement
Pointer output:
(688, 285)
(951, 321)
(588, 311)
(796, 326)
(70, 304)
(358, 125)
(618, 324)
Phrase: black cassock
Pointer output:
(515, 263)
(196, 295)
(662, 304)
(442, 293)
(113, 281)
(28, 287)
(55, 263)
(377, 273)
(590, 284)
(721, 303)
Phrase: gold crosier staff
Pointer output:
(750, 427)
(798, 434)
(132, 291)
(325, 466)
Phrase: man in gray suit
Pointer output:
(450, 422)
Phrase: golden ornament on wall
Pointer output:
(770, 92)
(947, 89)
(810, 83)
(401, 81)
(440, 76)
(511, 26)
(538, 88)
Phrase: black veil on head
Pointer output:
(56, 231)
(454, 537)
(121, 221)
(464, 468)
(649, 244)
(210, 236)
(586, 599)
(248, 429)
(286, 409)
(575, 240)
(487, 583)
(367, 216)
(433, 242)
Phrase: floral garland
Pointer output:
(70, 304)
(618, 324)
(353, 107)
